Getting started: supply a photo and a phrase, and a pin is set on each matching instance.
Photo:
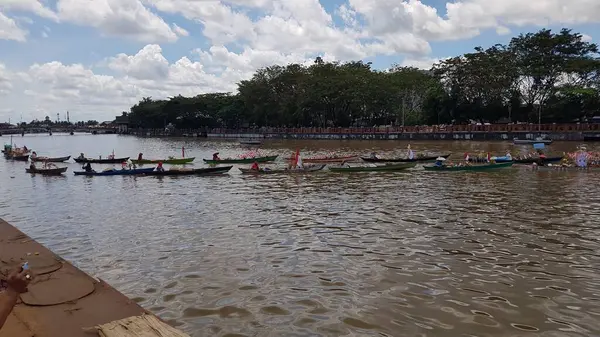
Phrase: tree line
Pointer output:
(542, 77)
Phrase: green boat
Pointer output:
(241, 160)
(385, 168)
(468, 167)
(172, 161)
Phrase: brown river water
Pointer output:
(503, 253)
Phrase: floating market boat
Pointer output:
(502, 159)
(114, 172)
(197, 172)
(172, 161)
(325, 160)
(241, 160)
(101, 160)
(535, 160)
(385, 168)
(47, 171)
(484, 167)
(284, 171)
(537, 140)
(50, 159)
(403, 160)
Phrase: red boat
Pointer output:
(324, 160)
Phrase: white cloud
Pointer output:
(10, 31)
(147, 64)
(5, 81)
(34, 6)
(121, 18)
(422, 63)
(586, 38)
(180, 31)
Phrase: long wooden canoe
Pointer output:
(403, 160)
(187, 172)
(101, 161)
(283, 171)
(48, 171)
(241, 160)
(50, 159)
(385, 168)
(115, 172)
(325, 160)
(19, 157)
(468, 167)
(172, 161)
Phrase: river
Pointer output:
(504, 253)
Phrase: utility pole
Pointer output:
(68, 121)
(57, 117)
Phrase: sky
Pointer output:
(97, 58)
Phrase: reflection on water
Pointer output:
(505, 253)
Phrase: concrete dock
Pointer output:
(62, 300)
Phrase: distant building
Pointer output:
(122, 123)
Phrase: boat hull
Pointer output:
(403, 160)
(532, 141)
(381, 168)
(535, 160)
(50, 160)
(196, 172)
(24, 157)
(174, 161)
(116, 172)
(283, 171)
(241, 161)
(468, 168)
(49, 172)
(101, 161)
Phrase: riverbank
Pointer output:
(62, 300)
(495, 132)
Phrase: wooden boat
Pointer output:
(284, 171)
(325, 160)
(564, 168)
(172, 161)
(535, 160)
(251, 142)
(532, 141)
(385, 168)
(197, 172)
(468, 167)
(47, 171)
(502, 159)
(18, 157)
(403, 160)
(50, 159)
(241, 160)
(101, 161)
(114, 172)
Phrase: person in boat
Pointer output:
(124, 165)
(216, 156)
(160, 167)
(140, 155)
(33, 155)
(373, 155)
(32, 166)
(255, 166)
(81, 156)
(88, 167)
(439, 162)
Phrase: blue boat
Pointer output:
(114, 172)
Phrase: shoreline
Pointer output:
(62, 299)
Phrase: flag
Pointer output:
(489, 158)
(298, 161)
(295, 158)
(466, 156)
(183, 152)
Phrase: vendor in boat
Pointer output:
(373, 155)
(160, 167)
(81, 156)
(439, 161)
(140, 155)
(33, 155)
(88, 167)
(255, 166)
(216, 156)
